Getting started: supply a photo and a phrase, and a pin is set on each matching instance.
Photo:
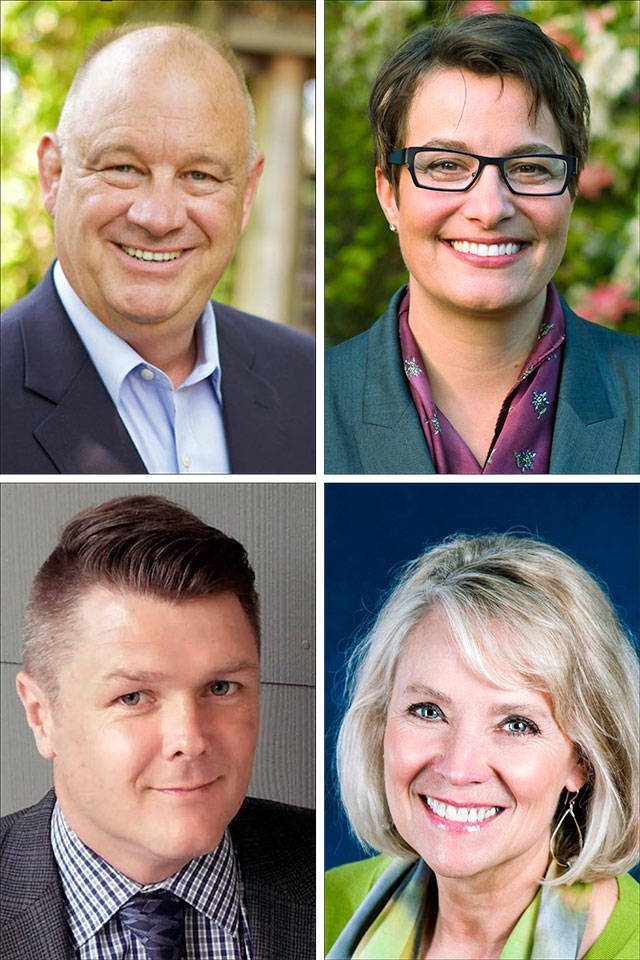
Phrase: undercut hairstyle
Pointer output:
(144, 545)
(563, 638)
(179, 37)
(493, 44)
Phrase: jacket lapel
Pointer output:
(83, 432)
(256, 439)
(34, 923)
(588, 433)
(390, 439)
(278, 881)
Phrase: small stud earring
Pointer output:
(393, 228)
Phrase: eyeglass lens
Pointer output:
(455, 171)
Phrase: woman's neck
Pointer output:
(477, 914)
(472, 361)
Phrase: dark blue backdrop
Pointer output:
(372, 529)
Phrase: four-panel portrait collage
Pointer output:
(320, 499)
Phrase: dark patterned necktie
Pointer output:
(157, 920)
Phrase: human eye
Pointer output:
(445, 166)
(536, 169)
(222, 688)
(425, 711)
(199, 176)
(121, 169)
(519, 727)
(121, 174)
(134, 699)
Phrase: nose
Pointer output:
(184, 732)
(158, 207)
(463, 759)
(489, 200)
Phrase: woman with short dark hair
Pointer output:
(480, 132)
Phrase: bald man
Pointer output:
(118, 362)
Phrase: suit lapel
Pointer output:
(256, 439)
(83, 432)
(36, 927)
(390, 439)
(587, 434)
(279, 891)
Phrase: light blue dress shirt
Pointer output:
(177, 430)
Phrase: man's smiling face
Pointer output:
(154, 729)
(155, 162)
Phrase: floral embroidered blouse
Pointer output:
(524, 428)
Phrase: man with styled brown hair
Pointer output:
(140, 683)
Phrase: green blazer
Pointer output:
(371, 424)
(347, 886)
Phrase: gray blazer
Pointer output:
(371, 424)
(275, 845)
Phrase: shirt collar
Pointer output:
(114, 359)
(95, 890)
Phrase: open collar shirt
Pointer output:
(524, 428)
(210, 885)
(175, 430)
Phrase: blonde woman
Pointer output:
(489, 753)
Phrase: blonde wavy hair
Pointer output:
(567, 642)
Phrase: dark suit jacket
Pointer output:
(371, 424)
(57, 416)
(275, 847)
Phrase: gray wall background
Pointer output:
(276, 524)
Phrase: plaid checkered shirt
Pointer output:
(210, 885)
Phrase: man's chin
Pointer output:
(144, 313)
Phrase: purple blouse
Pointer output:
(524, 429)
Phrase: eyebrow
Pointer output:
(99, 152)
(533, 146)
(156, 676)
(422, 690)
(204, 159)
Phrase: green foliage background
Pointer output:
(363, 267)
(42, 44)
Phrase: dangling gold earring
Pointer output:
(568, 811)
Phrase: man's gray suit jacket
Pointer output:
(57, 416)
(275, 845)
(371, 424)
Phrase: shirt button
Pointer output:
(147, 374)
(186, 460)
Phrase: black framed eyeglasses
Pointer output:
(526, 175)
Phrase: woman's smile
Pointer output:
(460, 820)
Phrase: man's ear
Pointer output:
(38, 710)
(387, 198)
(49, 170)
(250, 188)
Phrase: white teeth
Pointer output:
(484, 250)
(149, 254)
(461, 814)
